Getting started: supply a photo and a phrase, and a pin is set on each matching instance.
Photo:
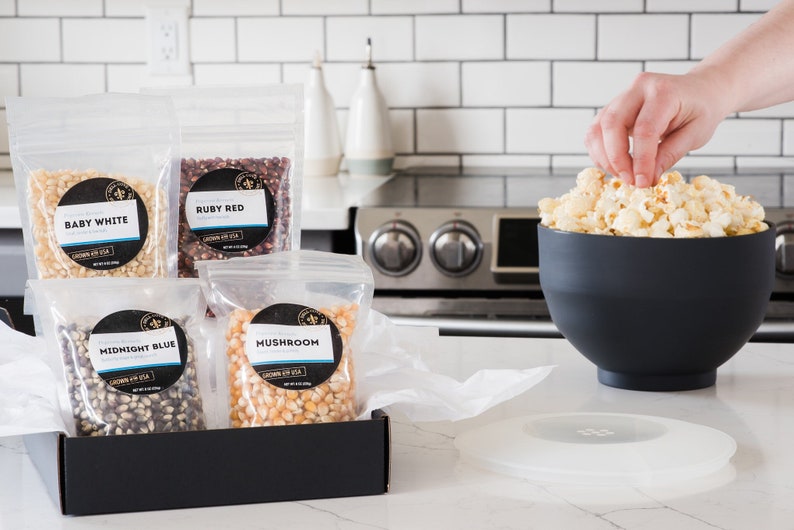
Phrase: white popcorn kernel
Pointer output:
(672, 208)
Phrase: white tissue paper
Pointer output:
(28, 389)
(391, 375)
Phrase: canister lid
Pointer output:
(598, 448)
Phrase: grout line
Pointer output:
(60, 39)
(504, 131)
(236, 40)
(413, 40)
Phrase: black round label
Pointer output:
(101, 223)
(138, 352)
(293, 346)
(230, 209)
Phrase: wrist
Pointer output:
(720, 91)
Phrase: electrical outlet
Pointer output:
(169, 52)
(166, 42)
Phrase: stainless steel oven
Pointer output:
(13, 275)
(458, 250)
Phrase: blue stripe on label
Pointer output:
(102, 242)
(289, 361)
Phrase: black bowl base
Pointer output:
(656, 383)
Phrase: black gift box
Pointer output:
(138, 472)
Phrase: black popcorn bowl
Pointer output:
(656, 314)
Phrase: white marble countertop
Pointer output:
(326, 201)
(431, 488)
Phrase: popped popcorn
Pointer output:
(672, 208)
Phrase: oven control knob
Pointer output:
(784, 248)
(395, 248)
(456, 248)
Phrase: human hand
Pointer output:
(665, 116)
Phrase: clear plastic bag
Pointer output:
(130, 350)
(241, 171)
(288, 323)
(96, 177)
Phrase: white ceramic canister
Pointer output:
(368, 145)
(323, 147)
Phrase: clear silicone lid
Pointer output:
(598, 448)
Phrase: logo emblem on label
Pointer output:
(119, 191)
(247, 182)
(154, 322)
(312, 317)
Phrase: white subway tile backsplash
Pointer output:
(591, 84)
(278, 38)
(435, 84)
(788, 137)
(541, 131)
(52, 80)
(506, 84)
(236, 8)
(643, 37)
(506, 6)
(236, 74)
(212, 40)
(757, 5)
(411, 7)
(59, 8)
(569, 162)
(125, 8)
(459, 37)
(788, 191)
(601, 6)
(341, 79)
(686, 6)
(551, 37)
(30, 40)
(298, 73)
(402, 129)
(104, 40)
(392, 38)
(472, 82)
(745, 136)
(699, 162)
(506, 161)
(324, 7)
(126, 77)
(460, 130)
(9, 82)
(711, 31)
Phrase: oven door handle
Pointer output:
(768, 331)
(775, 331)
(483, 326)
